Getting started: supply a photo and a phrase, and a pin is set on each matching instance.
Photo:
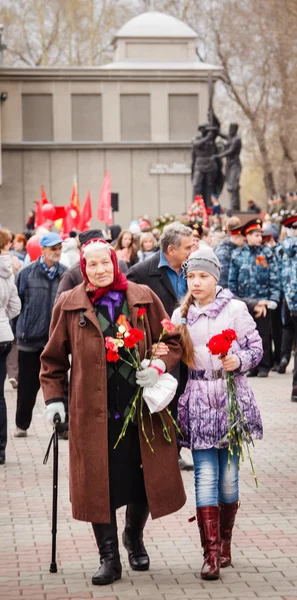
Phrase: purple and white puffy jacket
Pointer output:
(201, 414)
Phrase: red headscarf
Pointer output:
(119, 283)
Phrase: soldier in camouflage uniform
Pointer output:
(254, 276)
(270, 239)
(225, 249)
(289, 283)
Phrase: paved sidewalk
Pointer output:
(265, 538)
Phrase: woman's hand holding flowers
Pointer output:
(151, 372)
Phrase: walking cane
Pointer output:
(54, 441)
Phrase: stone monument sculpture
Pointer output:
(233, 165)
(204, 164)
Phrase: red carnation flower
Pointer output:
(229, 334)
(110, 344)
(135, 336)
(220, 344)
(112, 356)
(141, 312)
(167, 325)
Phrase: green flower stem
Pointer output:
(166, 429)
(145, 338)
(136, 365)
(130, 416)
(142, 425)
(163, 332)
(174, 422)
(127, 362)
(239, 434)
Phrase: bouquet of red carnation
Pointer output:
(238, 428)
(128, 338)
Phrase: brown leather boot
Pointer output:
(227, 519)
(208, 518)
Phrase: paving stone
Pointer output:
(265, 536)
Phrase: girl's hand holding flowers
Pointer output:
(230, 362)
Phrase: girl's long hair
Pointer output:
(185, 338)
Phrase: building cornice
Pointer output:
(105, 74)
(96, 145)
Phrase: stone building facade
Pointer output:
(134, 117)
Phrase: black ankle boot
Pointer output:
(136, 518)
(2, 457)
(107, 541)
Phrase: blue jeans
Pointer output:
(213, 481)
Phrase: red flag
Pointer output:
(61, 212)
(39, 218)
(72, 218)
(44, 198)
(75, 207)
(104, 212)
(86, 213)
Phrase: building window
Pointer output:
(37, 117)
(135, 117)
(183, 116)
(86, 117)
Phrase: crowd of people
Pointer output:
(62, 313)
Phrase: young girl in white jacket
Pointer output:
(206, 311)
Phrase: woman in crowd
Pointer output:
(126, 249)
(103, 478)
(148, 246)
(6, 243)
(207, 310)
(10, 306)
(19, 246)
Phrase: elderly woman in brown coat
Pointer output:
(103, 478)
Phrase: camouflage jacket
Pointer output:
(254, 273)
(224, 252)
(289, 272)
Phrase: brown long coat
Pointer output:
(88, 419)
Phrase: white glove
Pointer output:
(55, 408)
(149, 375)
(156, 361)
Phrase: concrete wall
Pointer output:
(139, 191)
(27, 165)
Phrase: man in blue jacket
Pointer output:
(37, 287)
(254, 276)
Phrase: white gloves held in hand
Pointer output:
(150, 375)
(55, 408)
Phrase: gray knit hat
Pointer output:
(203, 259)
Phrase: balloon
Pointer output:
(33, 247)
(58, 223)
(49, 212)
(134, 227)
